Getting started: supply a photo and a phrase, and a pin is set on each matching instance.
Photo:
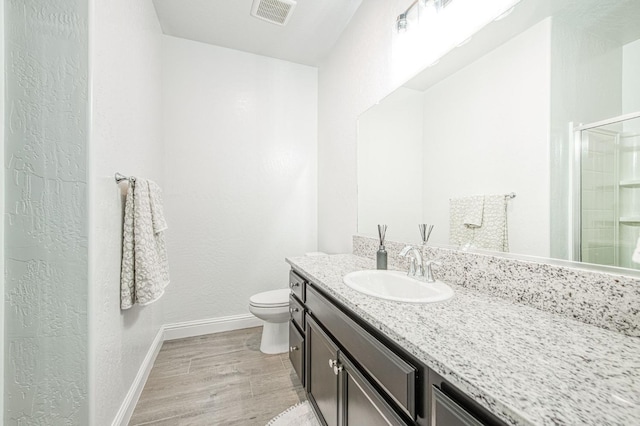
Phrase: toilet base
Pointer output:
(275, 337)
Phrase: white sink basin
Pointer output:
(395, 285)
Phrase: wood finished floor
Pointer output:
(217, 379)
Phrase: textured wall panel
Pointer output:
(45, 212)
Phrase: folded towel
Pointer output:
(459, 235)
(491, 235)
(145, 269)
(474, 211)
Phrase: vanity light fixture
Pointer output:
(401, 20)
(401, 23)
(441, 4)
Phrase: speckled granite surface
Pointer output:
(527, 366)
(610, 301)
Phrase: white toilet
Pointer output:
(272, 307)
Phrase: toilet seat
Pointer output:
(270, 299)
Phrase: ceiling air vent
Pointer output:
(274, 11)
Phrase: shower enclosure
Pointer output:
(607, 214)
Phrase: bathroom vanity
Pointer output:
(353, 374)
(473, 360)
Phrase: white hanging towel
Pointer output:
(474, 211)
(491, 235)
(145, 269)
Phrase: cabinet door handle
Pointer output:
(293, 348)
(332, 363)
(337, 369)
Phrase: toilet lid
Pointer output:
(273, 298)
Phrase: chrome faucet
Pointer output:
(418, 267)
(415, 261)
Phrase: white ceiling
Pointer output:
(311, 32)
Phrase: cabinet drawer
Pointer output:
(297, 285)
(297, 312)
(388, 370)
(446, 412)
(363, 404)
(296, 351)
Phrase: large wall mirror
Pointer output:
(543, 104)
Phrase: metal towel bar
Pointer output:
(120, 177)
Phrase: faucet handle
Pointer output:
(428, 273)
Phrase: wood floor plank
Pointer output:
(218, 379)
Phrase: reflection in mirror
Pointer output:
(496, 116)
(609, 214)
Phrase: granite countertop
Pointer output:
(527, 366)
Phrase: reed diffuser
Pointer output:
(381, 255)
(425, 232)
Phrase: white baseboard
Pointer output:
(172, 332)
(131, 399)
(210, 325)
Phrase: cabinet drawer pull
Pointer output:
(294, 284)
(294, 310)
(332, 363)
(293, 348)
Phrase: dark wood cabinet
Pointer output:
(340, 392)
(355, 375)
(297, 345)
(297, 351)
(362, 404)
(322, 372)
(388, 370)
(297, 285)
(447, 412)
(451, 407)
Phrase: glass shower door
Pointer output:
(610, 191)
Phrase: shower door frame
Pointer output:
(576, 201)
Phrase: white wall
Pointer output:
(486, 131)
(46, 275)
(356, 74)
(630, 77)
(240, 149)
(390, 146)
(126, 137)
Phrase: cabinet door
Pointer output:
(296, 351)
(446, 412)
(363, 405)
(322, 381)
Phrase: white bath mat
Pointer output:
(299, 415)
